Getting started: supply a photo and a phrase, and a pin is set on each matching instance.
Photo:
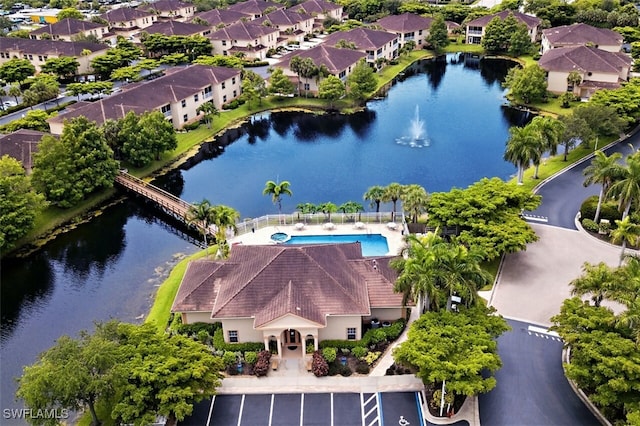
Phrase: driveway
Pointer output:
(533, 284)
(532, 389)
(563, 195)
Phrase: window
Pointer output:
(233, 80)
(351, 333)
(233, 336)
(195, 98)
(40, 58)
(183, 103)
(166, 110)
(235, 93)
(306, 86)
(420, 32)
(224, 98)
(185, 118)
(224, 42)
(224, 85)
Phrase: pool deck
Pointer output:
(263, 236)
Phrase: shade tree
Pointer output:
(16, 70)
(279, 84)
(603, 170)
(526, 85)
(332, 89)
(362, 81)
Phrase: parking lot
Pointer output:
(309, 409)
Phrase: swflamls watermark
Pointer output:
(32, 413)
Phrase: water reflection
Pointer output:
(25, 282)
(435, 70)
(258, 128)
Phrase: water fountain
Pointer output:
(417, 137)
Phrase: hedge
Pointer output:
(608, 211)
(221, 345)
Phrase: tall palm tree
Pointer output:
(224, 219)
(603, 170)
(277, 190)
(627, 187)
(201, 214)
(600, 281)
(461, 273)
(392, 192)
(306, 208)
(549, 132)
(574, 79)
(374, 195)
(626, 232)
(630, 297)
(351, 207)
(522, 149)
(415, 200)
(328, 208)
(209, 110)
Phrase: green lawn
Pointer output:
(161, 309)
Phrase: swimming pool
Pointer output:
(372, 244)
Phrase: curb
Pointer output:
(581, 229)
(470, 404)
(566, 353)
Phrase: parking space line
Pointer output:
(301, 409)
(420, 403)
(271, 409)
(331, 408)
(211, 410)
(241, 408)
(362, 414)
(380, 416)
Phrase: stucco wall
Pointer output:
(337, 327)
(386, 314)
(191, 317)
(244, 327)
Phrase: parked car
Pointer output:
(9, 104)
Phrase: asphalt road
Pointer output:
(563, 195)
(532, 389)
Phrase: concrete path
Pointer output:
(533, 284)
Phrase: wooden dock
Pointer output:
(166, 201)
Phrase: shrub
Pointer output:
(590, 225)
(310, 348)
(261, 367)
(319, 365)
(334, 369)
(608, 211)
(196, 327)
(251, 357)
(340, 344)
(329, 354)
(203, 336)
(229, 358)
(604, 227)
(359, 352)
(221, 345)
(362, 368)
(374, 336)
(345, 371)
(394, 331)
(390, 371)
(372, 357)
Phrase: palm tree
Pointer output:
(277, 190)
(351, 207)
(15, 91)
(415, 200)
(392, 192)
(626, 232)
(460, 272)
(306, 208)
(374, 195)
(202, 215)
(603, 170)
(209, 110)
(548, 131)
(521, 149)
(630, 297)
(328, 208)
(574, 79)
(627, 187)
(224, 218)
(597, 280)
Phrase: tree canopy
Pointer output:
(16, 70)
(332, 89)
(456, 347)
(362, 81)
(486, 216)
(140, 372)
(19, 203)
(69, 169)
(527, 84)
(279, 84)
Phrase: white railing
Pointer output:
(249, 225)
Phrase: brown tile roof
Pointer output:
(169, 28)
(217, 17)
(178, 83)
(576, 34)
(21, 145)
(584, 59)
(363, 38)
(406, 22)
(198, 292)
(67, 27)
(333, 58)
(122, 14)
(255, 7)
(242, 31)
(530, 21)
(49, 47)
(311, 282)
(285, 17)
(316, 7)
(165, 5)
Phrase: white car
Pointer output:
(9, 104)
